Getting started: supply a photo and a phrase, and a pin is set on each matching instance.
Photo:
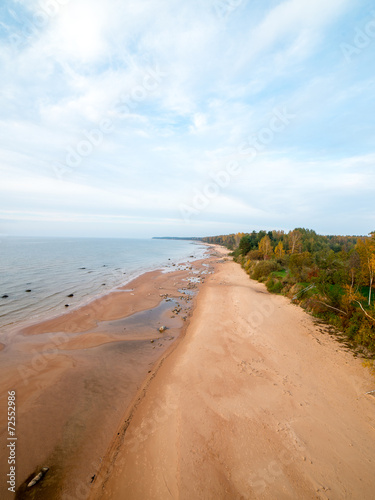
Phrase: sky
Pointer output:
(141, 118)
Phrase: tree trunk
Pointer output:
(369, 292)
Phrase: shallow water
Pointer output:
(54, 268)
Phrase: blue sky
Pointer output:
(137, 118)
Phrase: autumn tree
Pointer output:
(279, 250)
(295, 241)
(366, 250)
(265, 247)
(350, 296)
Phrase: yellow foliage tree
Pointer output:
(350, 296)
(265, 247)
(279, 250)
(366, 250)
(295, 241)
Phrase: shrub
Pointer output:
(263, 269)
(255, 255)
(300, 265)
(365, 335)
(274, 285)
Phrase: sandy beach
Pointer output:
(256, 401)
(76, 375)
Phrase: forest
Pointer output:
(332, 277)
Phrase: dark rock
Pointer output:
(28, 291)
(103, 284)
(66, 305)
(5, 296)
(71, 295)
(82, 268)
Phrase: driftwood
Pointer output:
(335, 308)
(360, 305)
(38, 477)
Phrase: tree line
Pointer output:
(330, 276)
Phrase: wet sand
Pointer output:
(76, 375)
(256, 401)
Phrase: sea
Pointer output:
(37, 275)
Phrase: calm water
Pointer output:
(53, 268)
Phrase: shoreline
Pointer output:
(255, 401)
(79, 365)
(7, 330)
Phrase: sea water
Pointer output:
(54, 268)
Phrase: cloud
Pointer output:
(216, 82)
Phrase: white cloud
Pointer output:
(220, 80)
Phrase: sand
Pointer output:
(76, 375)
(256, 401)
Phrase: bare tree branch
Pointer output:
(360, 305)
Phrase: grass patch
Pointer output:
(279, 274)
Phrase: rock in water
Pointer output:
(38, 477)
(162, 329)
(5, 296)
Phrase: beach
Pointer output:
(256, 401)
(76, 375)
(242, 396)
